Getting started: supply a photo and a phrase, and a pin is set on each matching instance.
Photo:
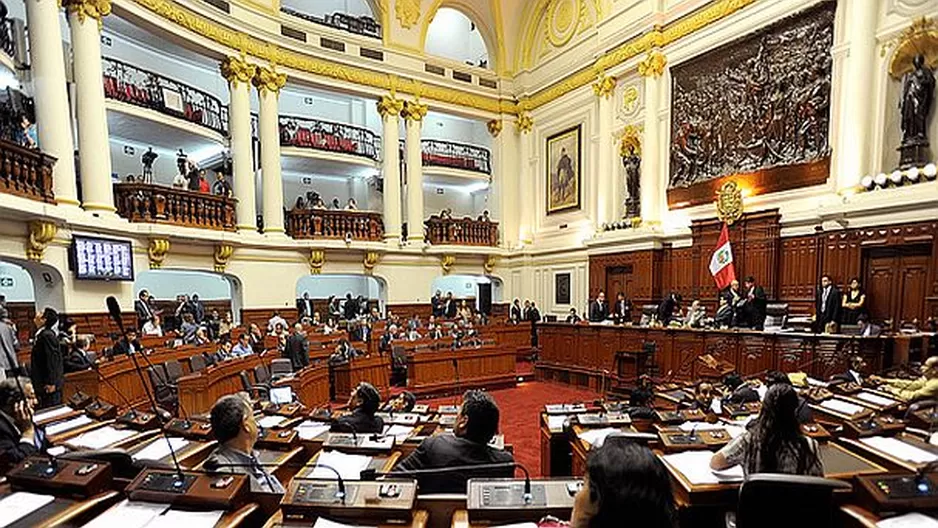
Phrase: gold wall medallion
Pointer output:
(317, 258)
(371, 260)
(729, 202)
(489, 264)
(630, 99)
(40, 234)
(408, 12)
(157, 251)
(447, 262)
(223, 253)
(495, 127)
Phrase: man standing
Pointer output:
(449, 310)
(756, 304)
(827, 305)
(297, 348)
(436, 304)
(47, 367)
(350, 310)
(142, 308)
(598, 308)
(8, 345)
(304, 306)
(514, 313)
(198, 309)
(622, 311)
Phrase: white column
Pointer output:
(390, 110)
(94, 156)
(605, 193)
(853, 154)
(527, 199)
(505, 179)
(652, 180)
(239, 73)
(269, 83)
(413, 117)
(47, 69)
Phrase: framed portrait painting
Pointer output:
(563, 170)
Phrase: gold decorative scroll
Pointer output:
(414, 111)
(40, 234)
(236, 69)
(388, 105)
(524, 123)
(495, 127)
(96, 9)
(157, 251)
(604, 86)
(223, 253)
(269, 80)
(317, 258)
(489, 265)
(371, 260)
(408, 12)
(729, 202)
(653, 64)
(921, 38)
(630, 144)
(447, 262)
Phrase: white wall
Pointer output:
(16, 284)
(167, 284)
(322, 286)
(452, 35)
(456, 129)
(464, 286)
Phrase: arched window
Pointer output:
(452, 35)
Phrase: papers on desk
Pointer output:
(52, 413)
(812, 382)
(555, 422)
(900, 449)
(875, 399)
(150, 515)
(322, 522)
(309, 430)
(842, 407)
(159, 449)
(20, 504)
(349, 466)
(101, 438)
(909, 520)
(565, 408)
(695, 466)
(398, 432)
(56, 451)
(383, 442)
(271, 421)
(596, 437)
(68, 425)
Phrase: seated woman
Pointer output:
(773, 442)
(363, 403)
(625, 485)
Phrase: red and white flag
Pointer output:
(721, 262)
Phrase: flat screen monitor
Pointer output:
(102, 259)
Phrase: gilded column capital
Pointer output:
(653, 64)
(237, 70)
(604, 86)
(40, 234)
(389, 106)
(268, 79)
(524, 122)
(495, 127)
(414, 111)
(96, 9)
(223, 253)
(157, 251)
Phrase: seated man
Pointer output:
(925, 387)
(243, 348)
(235, 428)
(854, 373)
(476, 424)
(78, 359)
(364, 403)
(18, 437)
(129, 344)
(572, 317)
(703, 397)
(402, 403)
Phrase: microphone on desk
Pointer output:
(527, 496)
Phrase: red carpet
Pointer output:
(520, 411)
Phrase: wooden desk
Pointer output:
(230, 519)
(435, 372)
(64, 511)
(189, 456)
(310, 384)
(889, 459)
(579, 354)
(419, 520)
(381, 464)
(372, 369)
(200, 390)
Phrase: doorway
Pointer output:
(619, 279)
(896, 282)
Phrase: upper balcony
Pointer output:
(158, 204)
(451, 155)
(359, 25)
(25, 170)
(310, 133)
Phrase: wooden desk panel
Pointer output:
(199, 391)
(375, 369)
(436, 371)
(310, 384)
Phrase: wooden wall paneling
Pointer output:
(755, 354)
(794, 353)
(723, 347)
(645, 281)
(685, 348)
(797, 272)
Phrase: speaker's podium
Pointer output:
(505, 501)
(371, 503)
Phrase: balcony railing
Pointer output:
(461, 232)
(7, 42)
(363, 25)
(133, 85)
(156, 204)
(335, 223)
(333, 137)
(456, 156)
(25, 172)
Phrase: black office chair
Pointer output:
(649, 314)
(262, 376)
(769, 500)
(776, 316)
(165, 394)
(173, 371)
(257, 392)
(280, 368)
(197, 363)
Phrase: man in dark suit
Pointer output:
(128, 344)
(364, 403)
(534, 315)
(78, 358)
(449, 306)
(304, 306)
(826, 304)
(350, 310)
(476, 425)
(622, 311)
(514, 313)
(198, 309)
(19, 438)
(142, 307)
(756, 303)
(854, 373)
(47, 368)
(297, 348)
(668, 308)
(436, 304)
(598, 308)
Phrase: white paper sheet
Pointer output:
(399, 432)
(695, 466)
(189, 519)
(56, 451)
(349, 466)
(67, 425)
(700, 426)
(817, 383)
(518, 525)
(909, 520)
(716, 406)
(101, 438)
(900, 449)
(555, 422)
(386, 442)
(159, 449)
(270, 421)
(128, 514)
(52, 413)
(21, 504)
(309, 430)
(322, 522)
(843, 407)
(875, 399)
(596, 437)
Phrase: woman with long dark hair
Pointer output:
(854, 303)
(625, 484)
(774, 442)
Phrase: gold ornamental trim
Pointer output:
(371, 260)
(525, 123)
(157, 251)
(408, 12)
(316, 260)
(222, 256)
(604, 86)
(237, 70)
(389, 106)
(414, 111)
(40, 234)
(489, 265)
(495, 127)
(729, 202)
(269, 80)
(630, 144)
(653, 64)
(447, 262)
(921, 38)
(96, 9)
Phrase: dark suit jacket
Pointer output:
(350, 310)
(831, 312)
(666, 310)
(449, 308)
(12, 451)
(46, 365)
(447, 450)
(359, 422)
(598, 312)
(122, 348)
(515, 313)
(76, 361)
(622, 311)
(297, 351)
(301, 310)
(436, 306)
(144, 313)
